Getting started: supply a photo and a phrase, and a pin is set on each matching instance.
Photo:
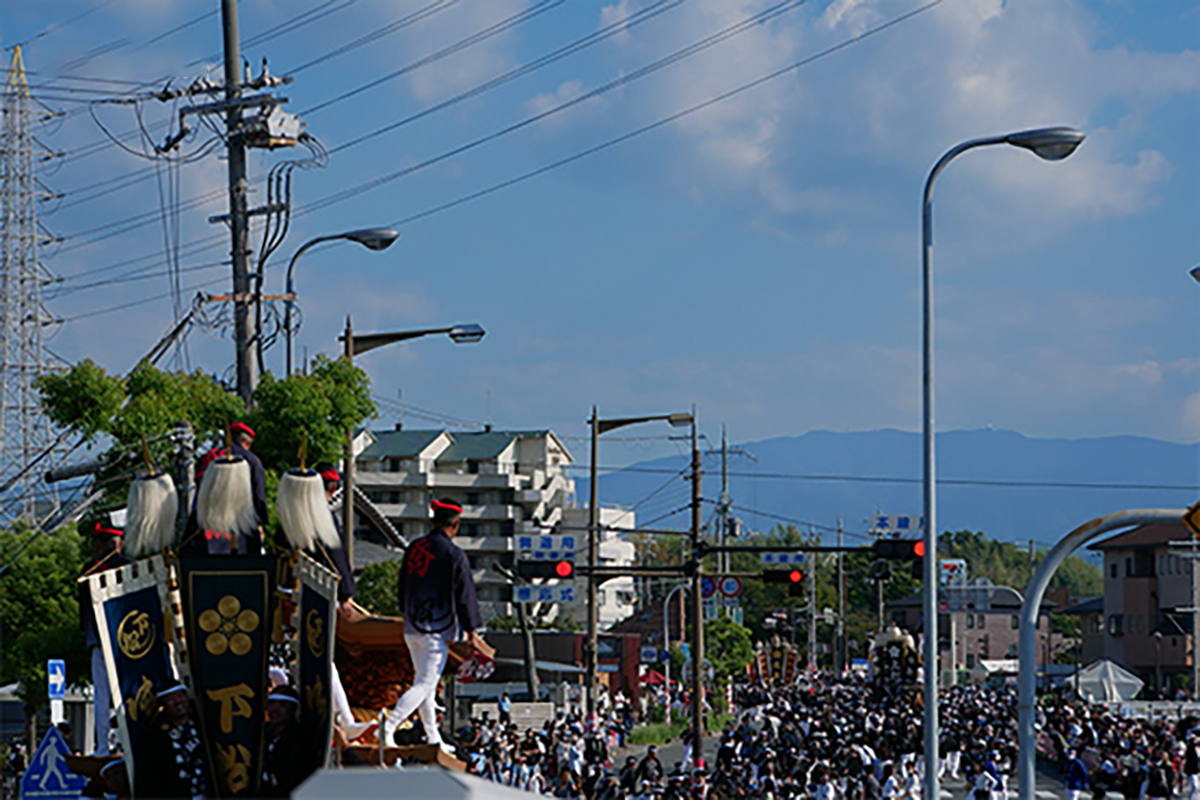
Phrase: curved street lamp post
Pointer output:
(1051, 144)
(371, 238)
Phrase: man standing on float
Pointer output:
(437, 595)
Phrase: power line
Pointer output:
(479, 36)
(392, 27)
(649, 69)
(1005, 484)
(665, 120)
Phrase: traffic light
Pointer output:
(793, 577)
(546, 569)
(899, 549)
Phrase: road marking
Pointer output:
(1046, 795)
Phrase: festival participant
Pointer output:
(212, 542)
(290, 756)
(338, 560)
(106, 542)
(243, 440)
(1076, 776)
(170, 757)
(437, 594)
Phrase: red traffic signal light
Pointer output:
(546, 569)
(899, 549)
(795, 576)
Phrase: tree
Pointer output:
(322, 405)
(728, 646)
(39, 609)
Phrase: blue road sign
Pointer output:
(47, 777)
(649, 654)
(56, 676)
(708, 587)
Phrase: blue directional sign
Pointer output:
(649, 654)
(56, 676)
(47, 777)
(708, 587)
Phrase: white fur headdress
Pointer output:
(225, 502)
(303, 510)
(152, 509)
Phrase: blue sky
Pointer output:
(758, 258)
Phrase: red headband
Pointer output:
(331, 476)
(438, 504)
(100, 530)
(241, 427)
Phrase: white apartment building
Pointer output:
(508, 483)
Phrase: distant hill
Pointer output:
(1008, 513)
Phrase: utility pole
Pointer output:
(724, 557)
(812, 606)
(593, 610)
(245, 302)
(840, 645)
(697, 609)
(348, 466)
(185, 474)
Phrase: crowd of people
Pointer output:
(845, 739)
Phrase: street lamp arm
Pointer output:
(951, 154)
(304, 247)
(363, 343)
(606, 425)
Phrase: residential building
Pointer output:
(1148, 597)
(509, 483)
(984, 626)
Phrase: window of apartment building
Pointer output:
(1016, 621)
(1116, 624)
(970, 620)
(472, 468)
(393, 465)
(472, 498)
(1112, 570)
(979, 621)
(1162, 565)
(600, 597)
(970, 660)
(471, 529)
(507, 528)
(1097, 624)
(1012, 651)
(626, 597)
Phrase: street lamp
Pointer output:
(1051, 144)
(598, 427)
(667, 644)
(371, 238)
(356, 344)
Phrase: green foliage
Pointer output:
(1007, 564)
(148, 402)
(323, 404)
(39, 609)
(727, 645)
(503, 624)
(84, 397)
(377, 587)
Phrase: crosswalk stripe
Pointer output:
(1046, 795)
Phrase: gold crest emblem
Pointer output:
(227, 627)
(314, 629)
(136, 634)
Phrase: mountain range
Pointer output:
(1010, 486)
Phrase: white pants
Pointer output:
(1073, 794)
(341, 703)
(428, 652)
(101, 700)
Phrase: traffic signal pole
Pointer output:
(697, 611)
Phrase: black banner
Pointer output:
(227, 613)
(139, 653)
(315, 657)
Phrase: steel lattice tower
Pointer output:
(25, 432)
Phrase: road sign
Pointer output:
(730, 586)
(557, 593)
(952, 572)
(547, 548)
(56, 676)
(711, 609)
(781, 559)
(708, 587)
(649, 654)
(1192, 519)
(47, 777)
(897, 524)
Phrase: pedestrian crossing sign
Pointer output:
(48, 777)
